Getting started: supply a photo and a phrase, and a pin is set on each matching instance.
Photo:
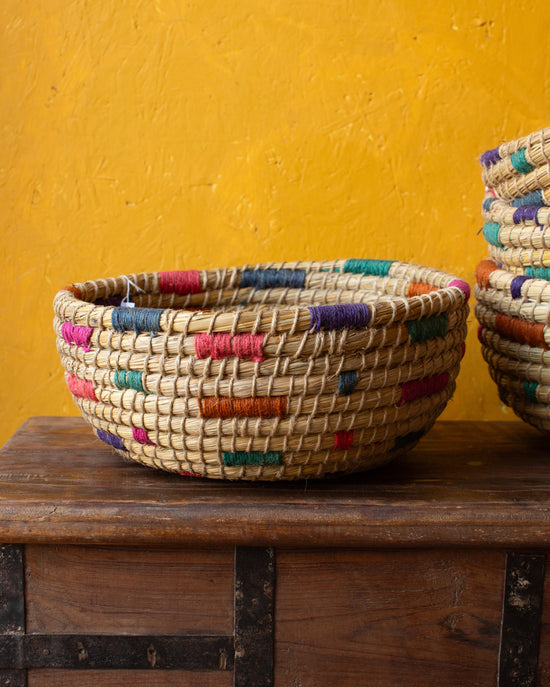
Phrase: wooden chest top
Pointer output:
(469, 484)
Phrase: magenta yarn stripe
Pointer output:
(140, 435)
(181, 282)
(76, 334)
(340, 316)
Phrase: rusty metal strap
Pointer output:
(116, 651)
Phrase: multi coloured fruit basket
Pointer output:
(278, 371)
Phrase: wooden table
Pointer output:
(427, 572)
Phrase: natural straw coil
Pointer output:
(277, 371)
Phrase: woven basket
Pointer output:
(513, 313)
(520, 169)
(278, 371)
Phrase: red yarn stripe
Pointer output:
(220, 346)
(81, 388)
(418, 388)
(343, 440)
(181, 282)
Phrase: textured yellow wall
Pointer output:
(166, 134)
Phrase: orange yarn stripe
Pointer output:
(264, 406)
(417, 288)
(74, 290)
(483, 270)
(520, 331)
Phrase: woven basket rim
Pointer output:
(384, 311)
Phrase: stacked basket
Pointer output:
(512, 290)
(277, 371)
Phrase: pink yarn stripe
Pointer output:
(76, 334)
(219, 346)
(81, 388)
(181, 282)
(418, 388)
(141, 436)
(343, 440)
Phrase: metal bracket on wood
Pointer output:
(521, 615)
(249, 652)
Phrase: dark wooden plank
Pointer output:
(521, 615)
(126, 678)
(12, 616)
(73, 589)
(254, 616)
(417, 618)
(467, 484)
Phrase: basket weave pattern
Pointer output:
(278, 371)
(512, 287)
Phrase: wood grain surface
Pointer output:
(351, 618)
(73, 589)
(467, 484)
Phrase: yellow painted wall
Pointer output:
(172, 134)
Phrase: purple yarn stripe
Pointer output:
(111, 439)
(341, 316)
(490, 157)
(527, 212)
(516, 284)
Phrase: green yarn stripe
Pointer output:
(129, 379)
(252, 458)
(530, 391)
(520, 163)
(490, 232)
(427, 328)
(538, 272)
(378, 268)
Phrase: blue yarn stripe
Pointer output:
(533, 198)
(487, 203)
(340, 316)
(347, 382)
(378, 268)
(252, 458)
(490, 232)
(427, 328)
(538, 272)
(520, 163)
(138, 319)
(129, 379)
(530, 391)
(272, 279)
(111, 439)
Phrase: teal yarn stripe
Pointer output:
(520, 163)
(129, 379)
(490, 232)
(252, 458)
(538, 272)
(377, 268)
(530, 391)
(428, 328)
